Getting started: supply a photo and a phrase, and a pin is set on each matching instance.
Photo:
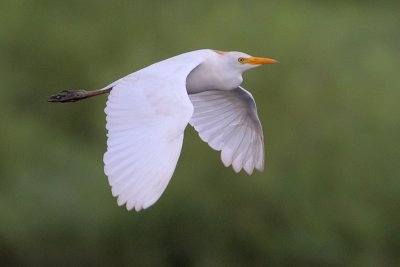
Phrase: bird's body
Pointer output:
(207, 76)
(148, 111)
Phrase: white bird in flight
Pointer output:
(148, 111)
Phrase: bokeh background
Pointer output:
(330, 194)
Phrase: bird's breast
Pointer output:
(203, 78)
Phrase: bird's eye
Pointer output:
(241, 60)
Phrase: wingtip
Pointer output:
(261, 167)
(248, 171)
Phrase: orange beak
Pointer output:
(260, 60)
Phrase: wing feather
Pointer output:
(147, 113)
(228, 122)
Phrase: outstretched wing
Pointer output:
(228, 122)
(147, 113)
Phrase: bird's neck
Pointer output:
(207, 77)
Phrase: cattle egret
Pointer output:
(147, 112)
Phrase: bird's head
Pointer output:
(222, 70)
(242, 61)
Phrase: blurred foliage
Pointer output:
(330, 195)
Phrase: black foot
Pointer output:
(68, 96)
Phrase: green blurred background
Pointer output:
(330, 194)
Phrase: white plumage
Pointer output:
(228, 122)
(148, 111)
